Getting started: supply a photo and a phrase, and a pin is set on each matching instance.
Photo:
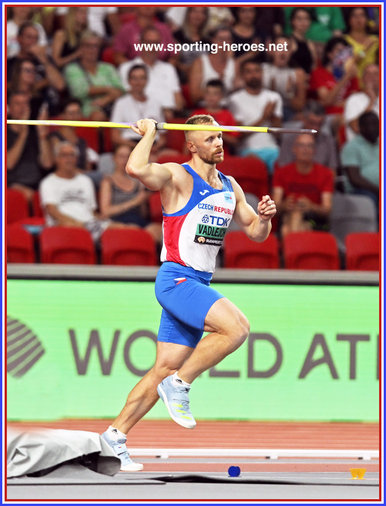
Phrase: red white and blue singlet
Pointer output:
(192, 239)
(193, 236)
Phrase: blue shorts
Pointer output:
(186, 297)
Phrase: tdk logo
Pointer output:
(216, 220)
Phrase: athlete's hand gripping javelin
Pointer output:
(145, 125)
(153, 175)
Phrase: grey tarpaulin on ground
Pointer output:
(37, 451)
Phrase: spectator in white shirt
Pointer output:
(257, 106)
(163, 83)
(219, 64)
(68, 197)
(135, 105)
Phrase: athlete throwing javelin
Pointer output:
(198, 204)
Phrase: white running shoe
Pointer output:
(176, 399)
(120, 449)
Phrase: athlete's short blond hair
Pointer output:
(199, 119)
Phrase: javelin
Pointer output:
(161, 126)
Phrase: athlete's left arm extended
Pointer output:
(257, 225)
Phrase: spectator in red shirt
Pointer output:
(130, 34)
(213, 99)
(303, 190)
(336, 79)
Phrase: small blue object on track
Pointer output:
(234, 471)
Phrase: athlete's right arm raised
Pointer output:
(153, 175)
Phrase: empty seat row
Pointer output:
(67, 245)
(302, 250)
(350, 213)
(18, 209)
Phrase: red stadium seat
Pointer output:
(341, 136)
(17, 206)
(128, 247)
(362, 251)
(155, 207)
(250, 172)
(34, 222)
(311, 251)
(186, 94)
(17, 210)
(175, 139)
(107, 140)
(20, 245)
(242, 253)
(91, 136)
(67, 245)
(36, 206)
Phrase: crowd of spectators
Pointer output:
(83, 63)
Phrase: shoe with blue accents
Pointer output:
(120, 450)
(176, 399)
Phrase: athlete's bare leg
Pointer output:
(228, 328)
(141, 399)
